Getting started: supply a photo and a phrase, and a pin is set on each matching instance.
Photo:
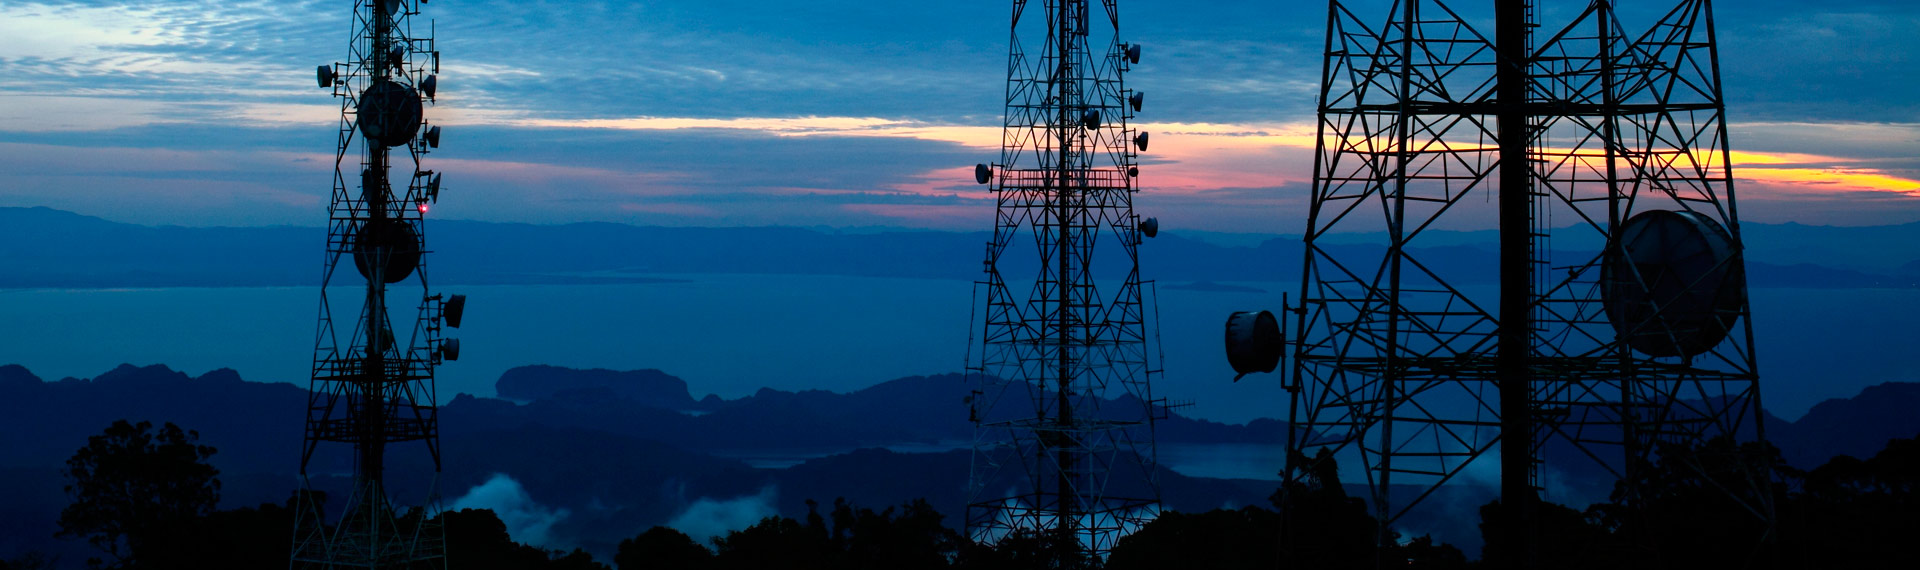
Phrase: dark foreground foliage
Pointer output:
(133, 490)
(909, 537)
(1325, 529)
(145, 498)
(1706, 507)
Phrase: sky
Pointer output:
(830, 113)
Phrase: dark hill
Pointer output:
(651, 388)
(1859, 426)
(615, 464)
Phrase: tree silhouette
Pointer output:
(1854, 513)
(1021, 550)
(774, 542)
(1701, 506)
(913, 539)
(477, 539)
(1324, 527)
(131, 486)
(1221, 539)
(28, 561)
(1327, 529)
(662, 548)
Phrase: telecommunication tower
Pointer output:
(371, 388)
(1600, 342)
(1062, 398)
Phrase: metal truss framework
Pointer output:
(1400, 361)
(369, 391)
(1061, 386)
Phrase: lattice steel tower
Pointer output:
(1061, 386)
(372, 388)
(1594, 343)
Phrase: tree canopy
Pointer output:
(131, 485)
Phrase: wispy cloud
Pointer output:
(830, 112)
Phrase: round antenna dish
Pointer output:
(1140, 140)
(1150, 227)
(1253, 342)
(1673, 283)
(1090, 119)
(982, 173)
(389, 114)
(387, 240)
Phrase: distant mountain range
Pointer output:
(610, 453)
(619, 451)
(42, 247)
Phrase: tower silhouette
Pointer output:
(1062, 396)
(373, 388)
(1612, 323)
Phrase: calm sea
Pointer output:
(732, 334)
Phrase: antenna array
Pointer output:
(372, 388)
(1604, 342)
(1062, 395)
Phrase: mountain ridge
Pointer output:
(618, 464)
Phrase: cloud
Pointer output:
(745, 112)
(707, 518)
(527, 521)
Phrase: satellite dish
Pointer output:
(1253, 342)
(449, 349)
(391, 244)
(1138, 99)
(455, 307)
(1150, 227)
(326, 76)
(1133, 171)
(982, 173)
(432, 83)
(1673, 283)
(1133, 53)
(433, 136)
(433, 188)
(389, 113)
(1140, 140)
(1090, 119)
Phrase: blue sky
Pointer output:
(825, 113)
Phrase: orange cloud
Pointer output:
(1823, 179)
(1195, 158)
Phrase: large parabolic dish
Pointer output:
(390, 244)
(389, 113)
(1675, 284)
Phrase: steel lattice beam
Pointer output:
(1061, 384)
(1418, 370)
(371, 388)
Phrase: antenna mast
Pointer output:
(372, 388)
(1062, 395)
(1617, 327)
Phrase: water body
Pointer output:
(733, 334)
